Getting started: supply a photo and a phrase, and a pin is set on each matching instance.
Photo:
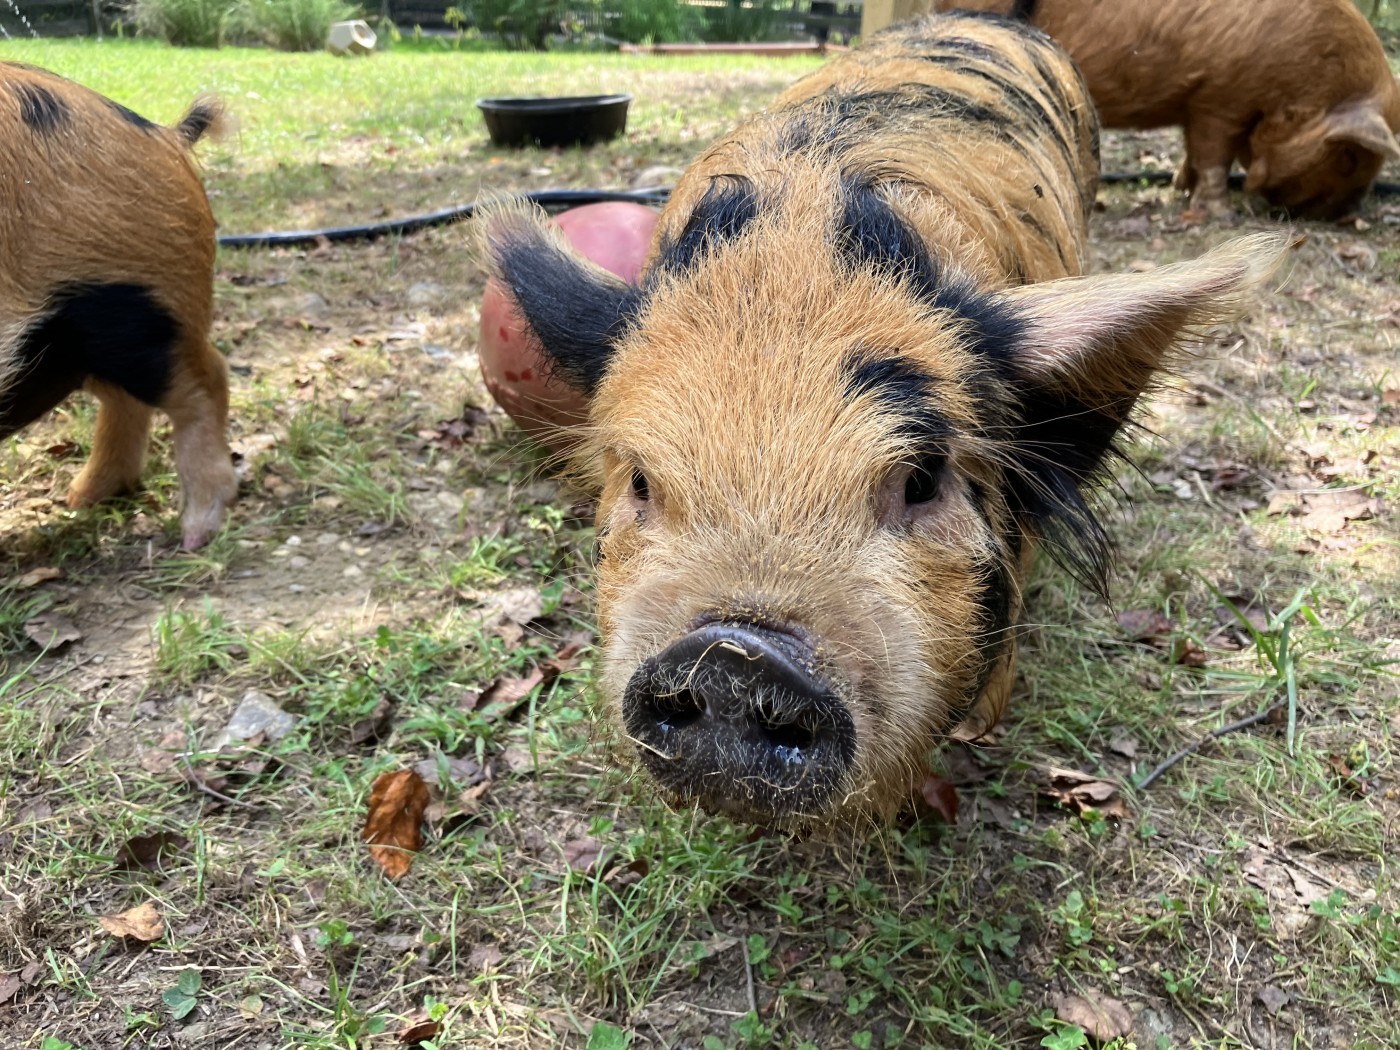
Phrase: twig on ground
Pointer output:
(748, 973)
(1214, 734)
(1230, 395)
(197, 782)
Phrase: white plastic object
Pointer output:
(351, 38)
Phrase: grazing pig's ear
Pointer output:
(1365, 126)
(577, 309)
(1091, 346)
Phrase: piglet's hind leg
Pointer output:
(118, 447)
(197, 404)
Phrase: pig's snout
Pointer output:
(739, 718)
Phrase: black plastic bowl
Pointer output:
(577, 121)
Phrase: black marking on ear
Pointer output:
(1023, 10)
(42, 111)
(728, 206)
(577, 314)
(133, 118)
(1060, 447)
(117, 333)
(904, 390)
(871, 233)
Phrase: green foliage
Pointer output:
(520, 24)
(745, 22)
(184, 23)
(184, 997)
(658, 21)
(603, 1036)
(291, 25)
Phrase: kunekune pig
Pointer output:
(1298, 91)
(107, 281)
(857, 382)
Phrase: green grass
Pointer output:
(350, 588)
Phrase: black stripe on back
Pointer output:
(871, 233)
(42, 111)
(130, 116)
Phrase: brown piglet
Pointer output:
(1298, 91)
(859, 380)
(107, 281)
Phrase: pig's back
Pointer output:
(92, 192)
(983, 126)
(1150, 63)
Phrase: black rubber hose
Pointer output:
(441, 217)
(572, 198)
(1161, 178)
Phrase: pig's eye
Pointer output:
(640, 488)
(922, 484)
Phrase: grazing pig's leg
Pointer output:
(197, 404)
(1211, 147)
(118, 448)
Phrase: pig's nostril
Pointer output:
(784, 731)
(790, 737)
(676, 710)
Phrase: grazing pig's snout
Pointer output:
(738, 718)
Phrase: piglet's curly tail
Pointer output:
(206, 117)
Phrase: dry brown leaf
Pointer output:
(367, 730)
(1102, 1018)
(161, 758)
(147, 851)
(51, 631)
(584, 854)
(10, 984)
(1329, 512)
(1125, 745)
(940, 797)
(1188, 653)
(34, 577)
(1347, 777)
(629, 874)
(419, 1030)
(1273, 997)
(484, 956)
(141, 923)
(1145, 625)
(505, 695)
(1081, 792)
(394, 826)
(458, 772)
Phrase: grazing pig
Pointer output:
(857, 381)
(1298, 91)
(107, 281)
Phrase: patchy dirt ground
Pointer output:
(404, 579)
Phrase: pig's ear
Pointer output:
(1363, 125)
(577, 310)
(1091, 346)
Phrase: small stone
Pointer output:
(293, 541)
(299, 561)
(352, 571)
(424, 292)
(326, 539)
(296, 588)
(257, 713)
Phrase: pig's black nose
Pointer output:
(738, 718)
